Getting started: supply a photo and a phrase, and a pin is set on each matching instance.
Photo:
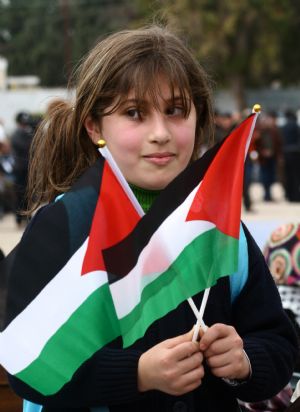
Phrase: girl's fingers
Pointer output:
(215, 332)
(189, 381)
(218, 361)
(185, 350)
(224, 345)
(193, 377)
(225, 372)
(171, 343)
(191, 363)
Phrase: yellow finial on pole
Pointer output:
(256, 108)
(101, 143)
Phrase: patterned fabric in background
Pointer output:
(282, 253)
(290, 298)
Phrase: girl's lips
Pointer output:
(159, 158)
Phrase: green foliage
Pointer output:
(241, 42)
(35, 45)
(48, 38)
(238, 37)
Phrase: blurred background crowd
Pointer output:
(14, 160)
(274, 153)
(274, 157)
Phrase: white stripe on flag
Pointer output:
(51, 308)
(163, 248)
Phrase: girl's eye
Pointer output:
(174, 111)
(134, 113)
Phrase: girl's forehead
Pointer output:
(162, 90)
(152, 82)
(156, 91)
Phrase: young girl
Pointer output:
(146, 95)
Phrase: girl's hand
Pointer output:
(223, 351)
(173, 366)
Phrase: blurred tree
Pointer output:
(92, 19)
(34, 45)
(242, 43)
(289, 33)
(48, 38)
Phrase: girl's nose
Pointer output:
(159, 131)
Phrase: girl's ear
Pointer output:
(93, 129)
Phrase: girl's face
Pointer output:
(151, 145)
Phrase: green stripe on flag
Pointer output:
(64, 353)
(206, 259)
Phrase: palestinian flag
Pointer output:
(187, 240)
(60, 310)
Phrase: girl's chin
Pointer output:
(158, 182)
(149, 186)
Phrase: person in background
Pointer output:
(7, 197)
(20, 144)
(249, 162)
(3, 138)
(268, 144)
(223, 125)
(291, 153)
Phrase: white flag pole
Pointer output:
(200, 322)
(197, 314)
(119, 175)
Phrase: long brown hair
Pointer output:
(124, 61)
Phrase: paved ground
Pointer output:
(280, 209)
(264, 217)
(267, 216)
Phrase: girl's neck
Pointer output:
(144, 196)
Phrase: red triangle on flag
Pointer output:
(115, 217)
(219, 197)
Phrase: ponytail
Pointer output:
(59, 154)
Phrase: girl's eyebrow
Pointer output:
(135, 101)
(175, 99)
